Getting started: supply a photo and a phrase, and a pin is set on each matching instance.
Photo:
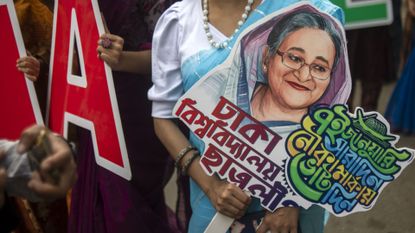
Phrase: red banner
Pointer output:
(85, 98)
(19, 105)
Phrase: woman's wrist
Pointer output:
(117, 65)
(178, 160)
(189, 160)
(211, 185)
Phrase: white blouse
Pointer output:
(179, 34)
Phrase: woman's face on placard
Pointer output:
(299, 88)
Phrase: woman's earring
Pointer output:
(264, 68)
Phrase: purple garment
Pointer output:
(102, 201)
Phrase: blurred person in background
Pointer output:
(401, 107)
(373, 71)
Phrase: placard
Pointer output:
(272, 117)
(366, 13)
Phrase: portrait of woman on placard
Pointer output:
(302, 65)
(286, 66)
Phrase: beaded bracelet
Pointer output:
(189, 161)
(181, 154)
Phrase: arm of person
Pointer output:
(166, 90)
(60, 159)
(282, 220)
(110, 50)
(227, 198)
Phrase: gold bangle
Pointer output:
(181, 155)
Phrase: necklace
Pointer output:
(209, 36)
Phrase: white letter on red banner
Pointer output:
(88, 100)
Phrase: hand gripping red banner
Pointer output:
(87, 98)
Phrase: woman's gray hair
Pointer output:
(297, 21)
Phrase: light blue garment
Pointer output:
(195, 67)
